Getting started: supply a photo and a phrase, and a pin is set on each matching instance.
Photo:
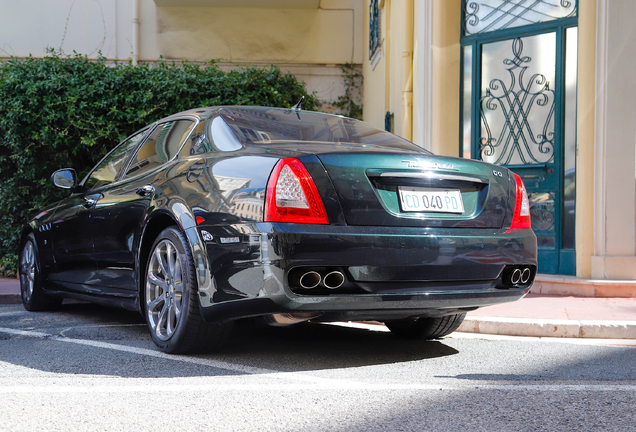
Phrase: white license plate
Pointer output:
(431, 200)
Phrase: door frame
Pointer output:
(557, 260)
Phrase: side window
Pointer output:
(214, 135)
(198, 142)
(109, 167)
(160, 147)
(222, 136)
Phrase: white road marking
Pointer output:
(286, 387)
(303, 381)
(26, 333)
(17, 312)
(87, 326)
(631, 343)
(242, 369)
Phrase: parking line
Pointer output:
(232, 367)
(317, 383)
(10, 313)
(59, 388)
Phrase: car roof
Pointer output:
(205, 112)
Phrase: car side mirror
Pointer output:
(65, 178)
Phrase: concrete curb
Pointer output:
(550, 328)
(573, 286)
(513, 326)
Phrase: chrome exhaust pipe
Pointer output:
(516, 276)
(310, 280)
(525, 276)
(333, 280)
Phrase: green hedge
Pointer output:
(68, 111)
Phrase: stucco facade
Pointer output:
(309, 38)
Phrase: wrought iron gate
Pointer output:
(519, 108)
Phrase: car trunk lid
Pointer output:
(417, 190)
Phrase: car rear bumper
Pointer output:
(389, 272)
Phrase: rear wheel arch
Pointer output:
(151, 231)
(180, 215)
(172, 308)
(156, 224)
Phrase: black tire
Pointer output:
(425, 328)
(33, 297)
(171, 300)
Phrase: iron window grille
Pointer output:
(374, 28)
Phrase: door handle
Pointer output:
(89, 202)
(145, 190)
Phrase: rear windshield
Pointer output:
(256, 125)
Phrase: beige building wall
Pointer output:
(299, 31)
(417, 75)
(87, 27)
(584, 236)
(374, 91)
(615, 142)
(315, 36)
(310, 38)
(384, 74)
(387, 77)
(446, 75)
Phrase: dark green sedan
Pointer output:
(223, 213)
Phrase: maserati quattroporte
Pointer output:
(218, 214)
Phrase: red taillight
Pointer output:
(521, 216)
(292, 195)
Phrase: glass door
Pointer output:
(519, 111)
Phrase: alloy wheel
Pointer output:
(164, 290)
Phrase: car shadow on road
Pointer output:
(314, 346)
(303, 347)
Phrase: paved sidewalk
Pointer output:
(535, 315)
(557, 316)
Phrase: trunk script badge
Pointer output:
(431, 165)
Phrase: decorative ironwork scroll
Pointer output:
(481, 16)
(522, 111)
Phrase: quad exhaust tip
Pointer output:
(333, 280)
(516, 277)
(525, 275)
(319, 278)
(310, 280)
(520, 276)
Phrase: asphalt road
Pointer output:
(88, 368)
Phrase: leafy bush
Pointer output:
(350, 103)
(68, 111)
